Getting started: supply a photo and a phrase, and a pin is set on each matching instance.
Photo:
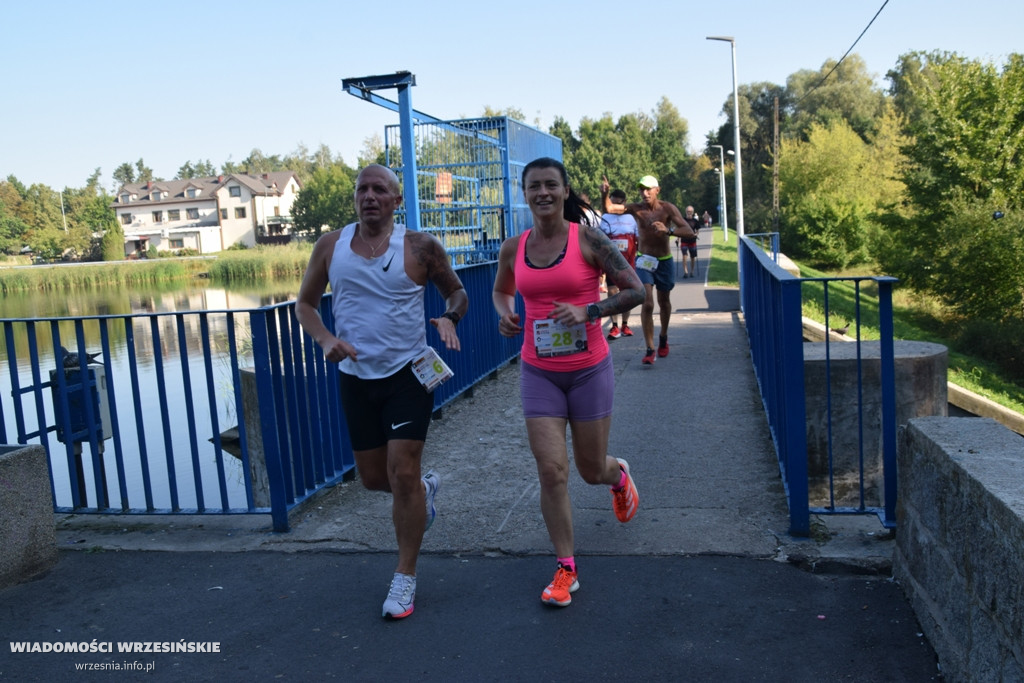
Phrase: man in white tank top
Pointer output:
(378, 271)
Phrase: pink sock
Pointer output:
(568, 562)
(622, 480)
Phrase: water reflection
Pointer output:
(170, 297)
(115, 301)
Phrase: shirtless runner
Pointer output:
(654, 262)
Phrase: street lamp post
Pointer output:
(721, 192)
(736, 132)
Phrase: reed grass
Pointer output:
(67, 277)
(286, 262)
(260, 264)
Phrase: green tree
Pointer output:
(47, 242)
(123, 175)
(41, 208)
(12, 227)
(826, 185)
(627, 149)
(668, 145)
(16, 186)
(511, 112)
(143, 173)
(963, 119)
(258, 163)
(112, 244)
(809, 97)
(92, 183)
(200, 169)
(372, 151)
(326, 201)
(12, 230)
(846, 92)
(598, 142)
(757, 118)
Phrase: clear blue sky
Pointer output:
(90, 85)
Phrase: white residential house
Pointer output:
(206, 214)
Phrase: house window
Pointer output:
(158, 216)
(235, 191)
(156, 195)
(126, 219)
(239, 212)
(174, 214)
(223, 214)
(177, 244)
(192, 214)
(125, 198)
(191, 193)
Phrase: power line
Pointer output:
(825, 77)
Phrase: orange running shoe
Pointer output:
(559, 591)
(626, 500)
(626, 332)
(614, 332)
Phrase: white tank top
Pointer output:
(377, 308)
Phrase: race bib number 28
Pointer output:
(552, 338)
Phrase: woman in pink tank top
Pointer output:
(567, 375)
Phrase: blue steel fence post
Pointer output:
(236, 383)
(411, 197)
(258, 324)
(133, 373)
(507, 186)
(115, 426)
(211, 399)
(888, 372)
(190, 413)
(795, 407)
(165, 413)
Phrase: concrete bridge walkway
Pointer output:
(705, 584)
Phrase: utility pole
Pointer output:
(64, 217)
(775, 170)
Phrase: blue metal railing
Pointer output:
(143, 429)
(772, 305)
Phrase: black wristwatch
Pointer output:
(593, 312)
(453, 316)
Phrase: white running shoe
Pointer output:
(401, 596)
(432, 484)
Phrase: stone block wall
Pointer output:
(959, 554)
(844, 404)
(28, 539)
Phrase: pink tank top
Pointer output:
(571, 280)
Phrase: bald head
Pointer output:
(380, 171)
(377, 197)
